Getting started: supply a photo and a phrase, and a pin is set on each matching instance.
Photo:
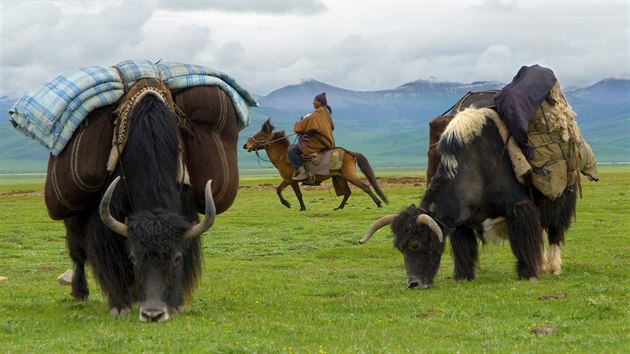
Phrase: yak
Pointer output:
(475, 187)
(142, 241)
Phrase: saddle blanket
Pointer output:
(53, 112)
(326, 163)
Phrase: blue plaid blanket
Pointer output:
(52, 113)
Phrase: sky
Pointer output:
(358, 45)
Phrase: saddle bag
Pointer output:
(209, 131)
(76, 175)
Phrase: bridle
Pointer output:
(263, 144)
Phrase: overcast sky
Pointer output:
(358, 45)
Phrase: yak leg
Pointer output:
(525, 233)
(111, 266)
(556, 217)
(364, 187)
(75, 239)
(555, 234)
(465, 253)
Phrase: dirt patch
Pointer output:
(544, 330)
(428, 314)
(558, 296)
(382, 182)
(22, 194)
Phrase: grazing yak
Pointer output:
(142, 240)
(475, 187)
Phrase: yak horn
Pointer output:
(424, 219)
(107, 218)
(385, 220)
(211, 212)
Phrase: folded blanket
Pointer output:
(52, 113)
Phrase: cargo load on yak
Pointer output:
(80, 117)
(538, 125)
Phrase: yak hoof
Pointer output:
(80, 295)
(178, 309)
(120, 311)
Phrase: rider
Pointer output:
(314, 132)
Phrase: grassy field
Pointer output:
(279, 280)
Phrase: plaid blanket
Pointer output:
(52, 113)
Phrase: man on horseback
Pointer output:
(315, 133)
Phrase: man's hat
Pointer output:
(322, 98)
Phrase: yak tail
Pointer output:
(365, 167)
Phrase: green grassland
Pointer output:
(278, 280)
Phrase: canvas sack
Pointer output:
(76, 175)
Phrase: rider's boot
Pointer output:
(300, 174)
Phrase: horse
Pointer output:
(276, 145)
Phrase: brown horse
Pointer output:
(276, 145)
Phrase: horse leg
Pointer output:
(525, 233)
(298, 193)
(465, 253)
(343, 183)
(75, 239)
(364, 187)
(279, 189)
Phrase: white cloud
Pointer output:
(302, 7)
(357, 45)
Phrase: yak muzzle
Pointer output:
(415, 284)
(154, 314)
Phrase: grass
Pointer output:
(280, 280)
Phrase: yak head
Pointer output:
(419, 238)
(156, 241)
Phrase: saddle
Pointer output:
(561, 152)
(208, 129)
(325, 163)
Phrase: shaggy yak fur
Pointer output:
(155, 265)
(475, 187)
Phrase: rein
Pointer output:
(262, 144)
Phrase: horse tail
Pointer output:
(365, 167)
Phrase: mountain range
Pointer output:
(390, 127)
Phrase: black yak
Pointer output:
(143, 242)
(475, 187)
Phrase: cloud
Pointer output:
(356, 45)
(302, 7)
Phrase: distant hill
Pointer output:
(389, 126)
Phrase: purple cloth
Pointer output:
(517, 102)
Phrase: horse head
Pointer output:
(261, 139)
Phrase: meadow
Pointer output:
(278, 280)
